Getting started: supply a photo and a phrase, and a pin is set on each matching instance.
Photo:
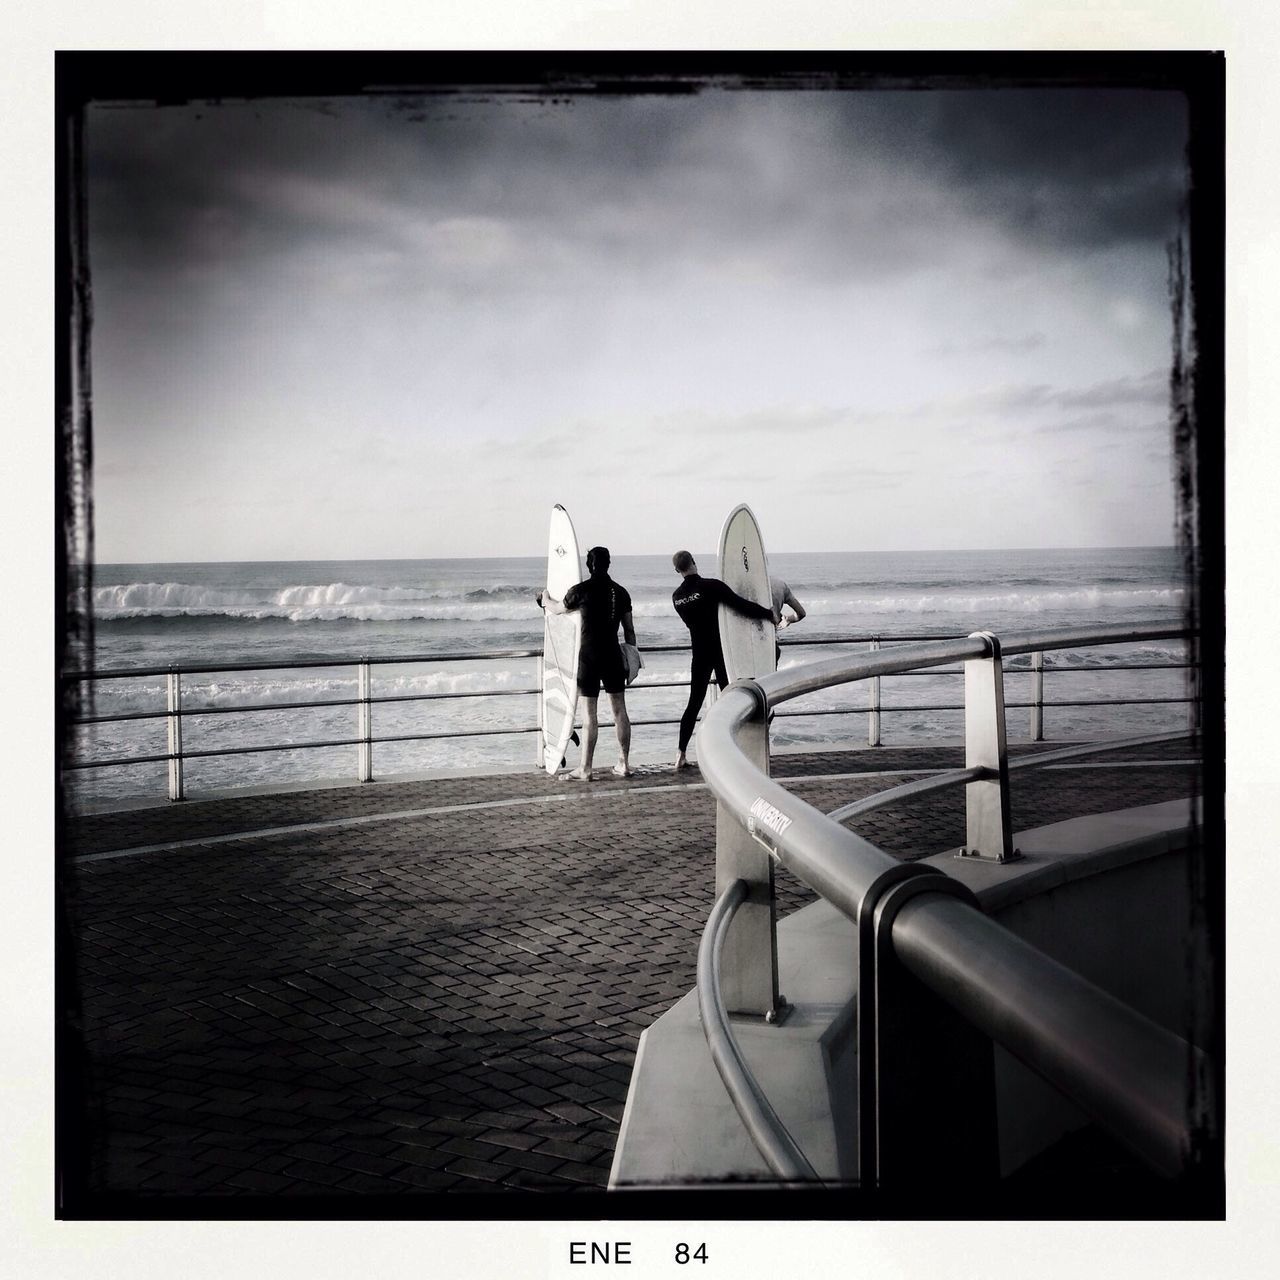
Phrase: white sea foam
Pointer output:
(329, 602)
(341, 601)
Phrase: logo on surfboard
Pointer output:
(560, 551)
(745, 565)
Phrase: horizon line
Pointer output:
(1128, 546)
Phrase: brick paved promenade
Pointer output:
(430, 986)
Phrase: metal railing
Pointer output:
(1127, 1073)
(178, 717)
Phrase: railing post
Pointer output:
(537, 740)
(1037, 696)
(928, 1128)
(174, 725)
(988, 826)
(1195, 687)
(749, 959)
(364, 722)
(873, 719)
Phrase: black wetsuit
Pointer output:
(604, 604)
(697, 601)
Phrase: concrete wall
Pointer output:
(679, 1127)
(1108, 896)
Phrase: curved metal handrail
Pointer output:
(1028, 1003)
(835, 862)
(775, 1144)
(954, 777)
(1129, 1073)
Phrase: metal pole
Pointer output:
(174, 724)
(1037, 696)
(873, 720)
(1195, 706)
(1128, 1073)
(364, 722)
(988, 826)
(767, 1131)
(537, 739)
(750, 973)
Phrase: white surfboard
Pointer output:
(748, 643)
(561, 641)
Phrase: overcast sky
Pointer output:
(888, 320)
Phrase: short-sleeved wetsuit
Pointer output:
(604, 604)
(697, 601)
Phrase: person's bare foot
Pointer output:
(581, 775)
(681, 762)
(622, 770)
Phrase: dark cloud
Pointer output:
(1117, 393)
(1056, 167)
(846, 480)
(1148, 388)
(977, 346)
(1108, 405)
(775, 420)
(819, 185)
(1109, 421)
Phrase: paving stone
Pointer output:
(364, 1184)
(258, 1182)
(513, 1139)
(483, 1170)
(325, 1175)
(426, 1004)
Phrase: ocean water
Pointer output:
(201, 615)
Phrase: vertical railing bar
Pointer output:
(873, 718)
(988, 825)
(364, 721)
(749, 980)
(1037, 696)
(173, 698)
(1196, 705)
(538, 737)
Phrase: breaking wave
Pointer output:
(504, 602)
(336, 601)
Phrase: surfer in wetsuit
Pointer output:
(783, 595)
(605, 605)
(697, 601)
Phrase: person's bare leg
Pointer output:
(622, 726)
(590, 731)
